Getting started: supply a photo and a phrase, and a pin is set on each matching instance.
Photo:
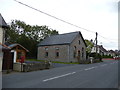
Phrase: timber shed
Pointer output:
(17, 50)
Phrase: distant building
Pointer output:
(100, 49)
(3, 26)
(112, 53)
(68, 47)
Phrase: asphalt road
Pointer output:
(97, 75)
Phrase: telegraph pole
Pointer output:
(96, 44)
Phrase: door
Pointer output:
(12, 60)
(7, 61)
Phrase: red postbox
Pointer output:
(22, 59)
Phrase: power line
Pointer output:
(54, 17)
(59, 19)
(108, 39)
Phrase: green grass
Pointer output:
(52, 61)
(65, 62)
(35, 60)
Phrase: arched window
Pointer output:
(46, 54)
(75, 48)
(82, 52)
(57, 54)
(74, 52)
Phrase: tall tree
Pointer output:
(27, 35)
(89, 45)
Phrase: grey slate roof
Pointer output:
(102, 48)
(2, 22)
(60, 39)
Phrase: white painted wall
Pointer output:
(15, 54)
(94, 50)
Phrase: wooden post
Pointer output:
(96, 44)
(8, 62)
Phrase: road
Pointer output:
(97, 75)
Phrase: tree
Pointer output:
(89, 45)
(27, 35)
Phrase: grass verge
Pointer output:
(52, 61)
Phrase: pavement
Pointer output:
(108, 59)
(97, 75)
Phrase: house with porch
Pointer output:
(68, 47)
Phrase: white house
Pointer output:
(3, 26)
(100, 50)
(111, 53)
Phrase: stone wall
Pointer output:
(63, 53)
(27, 67)
(66, 52)
(79, 47)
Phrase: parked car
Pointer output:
(116, 58)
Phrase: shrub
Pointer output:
(107, 56)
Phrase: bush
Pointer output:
(107, 56)
(96, 56)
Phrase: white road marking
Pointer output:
(74, 72)
(104, 65)
(58, 76)
(89, 68)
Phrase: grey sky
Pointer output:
(96, 15)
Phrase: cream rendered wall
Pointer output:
(1, 54)
(1, 34)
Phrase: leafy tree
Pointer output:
(27, 35)
(89, 45)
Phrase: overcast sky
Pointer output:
(96, 15)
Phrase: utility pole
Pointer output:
(96, 44)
